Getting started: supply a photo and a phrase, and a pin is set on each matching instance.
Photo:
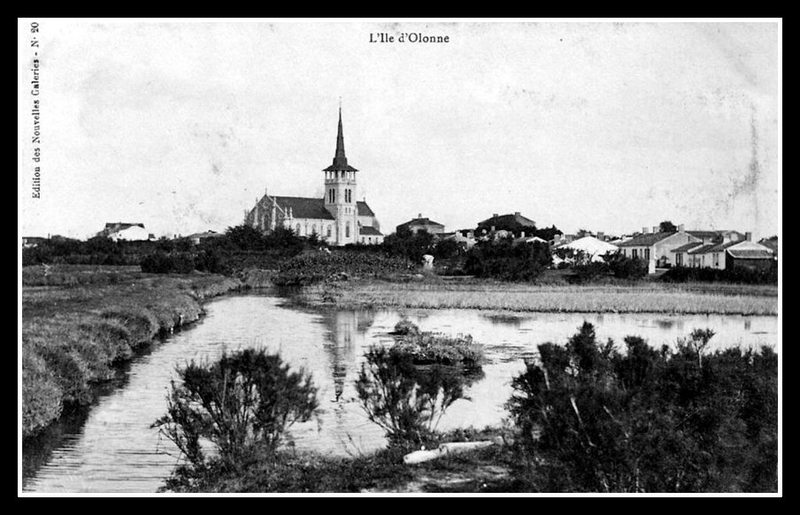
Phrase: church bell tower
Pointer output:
(340, 194)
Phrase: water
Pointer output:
(111, 448)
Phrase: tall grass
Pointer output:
(75, 330)
(648, 298)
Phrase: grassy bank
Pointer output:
(639, 297)
(78, 321)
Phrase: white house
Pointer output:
(119, 231)
(592, 249)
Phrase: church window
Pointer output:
(329, 231)
(347, 230)
(314, 228)
(298, 229)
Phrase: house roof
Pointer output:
(501, 219)
(112, 227)
(645, 240)
(689, 246)
(750, 253)
(368, 230)
(590, 245)
(705, 234)
(207, 234)
(420, 221)
(772, 243)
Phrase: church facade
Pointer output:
(337, 218)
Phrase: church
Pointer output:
(337, 218)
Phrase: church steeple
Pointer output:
(339, 159)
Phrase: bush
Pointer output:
(315, 267)
(679, 274)
(615, 265)
(242, 403)
(407, 400)
(506, 261)
(168, 263)
(592, 419)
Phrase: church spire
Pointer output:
(339, 156)
(339, 159)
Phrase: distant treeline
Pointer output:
(243, 248)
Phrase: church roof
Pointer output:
(364, 209)
(339, 159)
(368, 230)
(303, 207)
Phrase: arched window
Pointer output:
(314, 228)
(298, 229)
(347, 230)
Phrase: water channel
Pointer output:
(111, 448)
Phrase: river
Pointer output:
(111, 447)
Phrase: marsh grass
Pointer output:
(75, 330)
(648, 297)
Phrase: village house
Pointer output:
(338, 218)
(32, 241)
(421, 223)
(199, 237)
(464, 237)
(119, 231)
(504, 226)
(656, 246)
(728, 250)
(583, 250)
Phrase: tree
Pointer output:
(667, 226)
(242, 403)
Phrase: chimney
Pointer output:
(419, 215)
(516, 213)
(494, 215)
(645, 230)
(600, 236)
(748, 236)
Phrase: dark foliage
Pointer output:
(408, 245)
(593, 419)
(407, 399)
(314, 267)
(242, 404)
(504, 260)
(615, 265)
(679, 274)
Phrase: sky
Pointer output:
(588, 124)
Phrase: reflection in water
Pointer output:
(344, 326)
(115, 450)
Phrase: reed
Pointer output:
(646, 298)
(75, 330)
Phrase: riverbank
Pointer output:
(78, 322)
(637, 297)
